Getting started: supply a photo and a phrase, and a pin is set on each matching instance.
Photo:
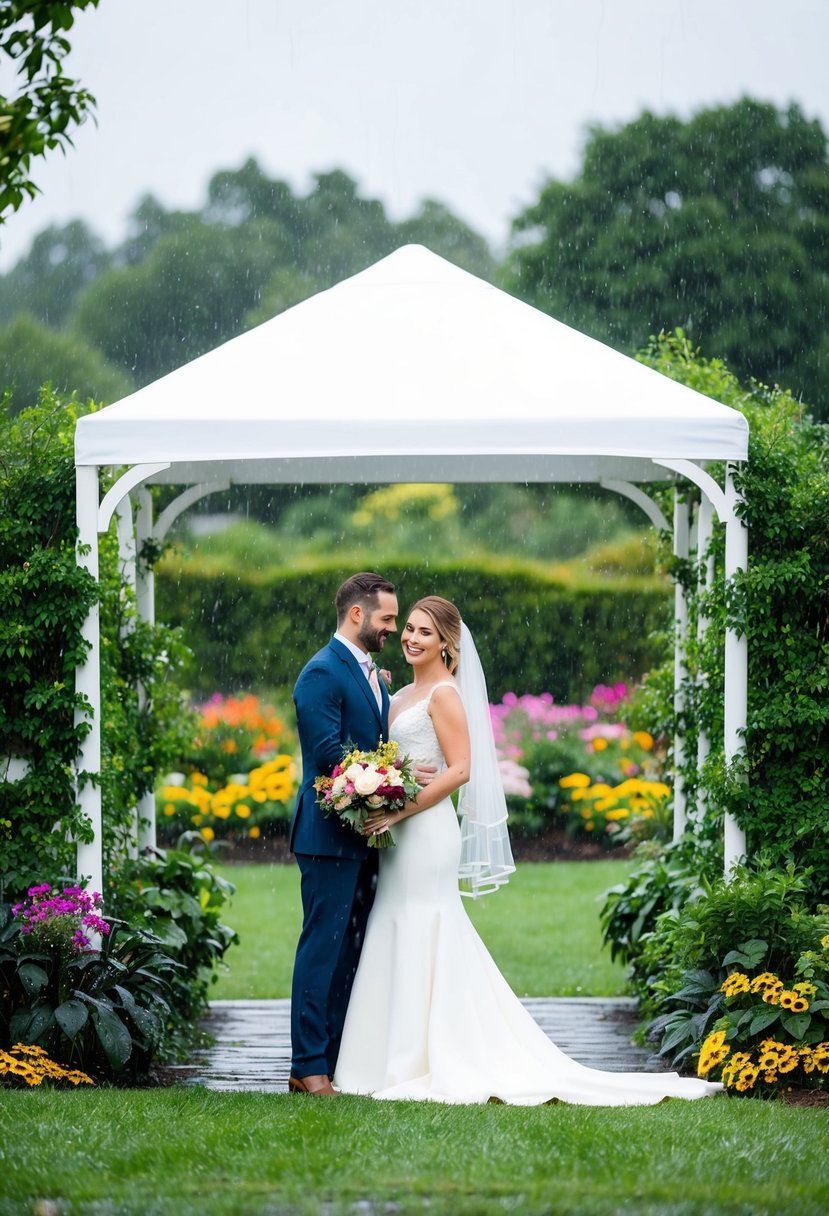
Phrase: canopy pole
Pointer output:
(88, 685)
(705, 528)
(126, 559)
(681, 550)
(736, 664)
(145, 606)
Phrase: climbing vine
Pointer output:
(778, 790)
(44, 600)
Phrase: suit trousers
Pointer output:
(337, 894)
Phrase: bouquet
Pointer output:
(368, 781)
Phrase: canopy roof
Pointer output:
(412, 370)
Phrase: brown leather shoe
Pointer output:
(319, 1085)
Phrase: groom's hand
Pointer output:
(424, 774)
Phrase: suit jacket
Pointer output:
(335, 705)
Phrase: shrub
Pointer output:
(100, 1010)
(765, 904)
(777, 790)
(257, 627)
(178, 898)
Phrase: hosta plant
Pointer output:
(95, 1001)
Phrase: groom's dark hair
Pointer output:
(363, 588)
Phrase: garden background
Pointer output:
(568, 597)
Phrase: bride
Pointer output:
(430, 1015)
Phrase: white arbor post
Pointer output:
(736, 663)
(145, 607)
(88, 684)
(705, 527)
(681, 550)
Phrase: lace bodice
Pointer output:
(413, 730)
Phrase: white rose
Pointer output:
(367, 781)
(392, 777)
(353, 771)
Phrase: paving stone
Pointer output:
(252, 1040)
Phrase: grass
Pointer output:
(542, 930)
(188, 1152)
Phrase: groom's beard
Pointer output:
(373, 639)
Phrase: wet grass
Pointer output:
(542, 929)
(182, 1152)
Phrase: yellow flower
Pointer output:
(600, 744)
(713, 1051)
(575, 781)
(169, 808)
(735, 984)
(644, 740)
(820, 1056)
(255, 832)
(805, 988)
(824, 941)
(242, 811)
(747, 1077)
(198, 779)
(764, 980)
(791, 1000)
(208, 834)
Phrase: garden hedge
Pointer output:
(255, 628)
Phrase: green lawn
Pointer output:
(187, 1152)
(542, 929)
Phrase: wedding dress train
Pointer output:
(430, 1016)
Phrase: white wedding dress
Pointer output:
(430, 1016)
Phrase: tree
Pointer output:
(60, 263)
(32, 354)
(47, 103)
(718, 225)
(188, 295)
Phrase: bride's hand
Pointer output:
(375, 824)
(424, 774)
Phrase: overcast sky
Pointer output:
(473, 102)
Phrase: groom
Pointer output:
(338, 700)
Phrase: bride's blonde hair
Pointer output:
(447, 621)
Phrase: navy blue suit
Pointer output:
(335, 705)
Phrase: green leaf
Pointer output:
(33, 978)
(113, 1037)
(71, 1016)
(763, 1018)
(30, 1025)
(796, 1024)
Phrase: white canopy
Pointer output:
(413, 359)
(412, 370)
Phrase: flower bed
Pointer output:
(579, 767)
(239, 778)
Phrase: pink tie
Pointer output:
(374, 682)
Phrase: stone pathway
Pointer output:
(252, 1045)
